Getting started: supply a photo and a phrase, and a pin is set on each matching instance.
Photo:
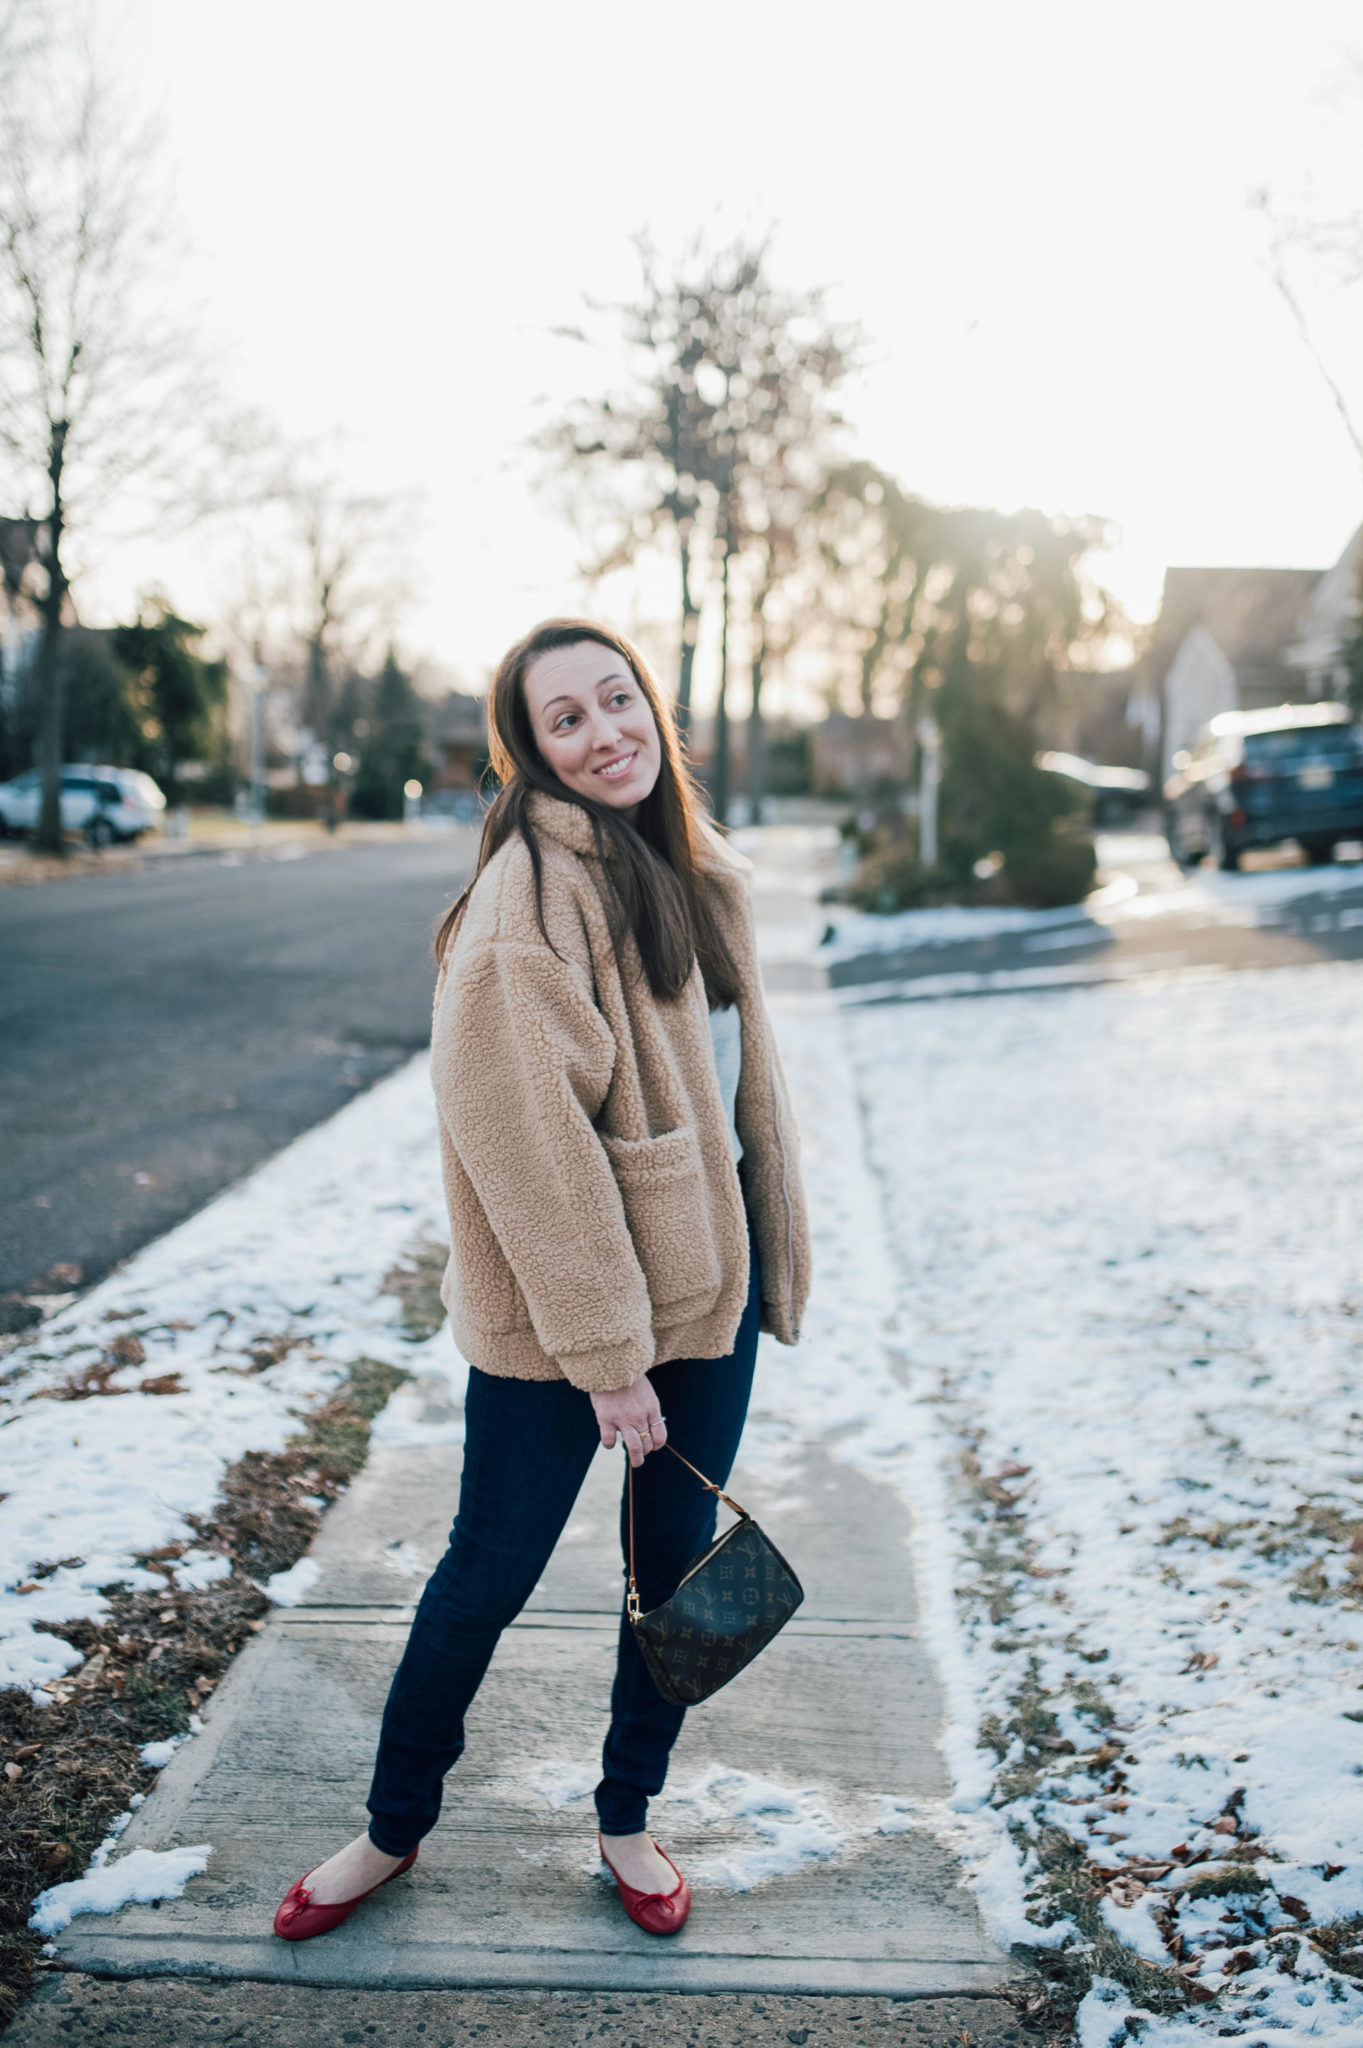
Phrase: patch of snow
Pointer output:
(1134, 1926)
(859, 932)
(140, 1877)
(202, 1568)
(291, 1588)
(36, 1661)
(428, 1408)
(741, 1829)
(159, 1754)
(562, 1784)
(1103, 2014)
(787, 1846)
(793, 1827)
(298, 1251)
(407, 1559)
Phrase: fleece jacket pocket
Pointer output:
(662, 1185)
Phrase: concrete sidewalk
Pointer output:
(508, 1891)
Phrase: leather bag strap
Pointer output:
(632, 1607)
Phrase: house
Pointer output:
(1330, 618)
(456, 736)
(1222, 643)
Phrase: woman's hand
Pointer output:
(633, 1415)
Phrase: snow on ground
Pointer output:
(1205, 897)
(759, 1830)
(858, 932)
(140, 1877)
(1106, 1341)
(793, 1827)
(246, 1313)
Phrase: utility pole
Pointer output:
(930, 775)
(719, 772)
(260, 683)
(49, 837)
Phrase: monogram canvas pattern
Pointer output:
(735, 1598)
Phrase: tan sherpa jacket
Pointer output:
(596, 1215)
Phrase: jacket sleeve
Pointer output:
(522, 1059)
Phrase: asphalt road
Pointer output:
(164, 1030)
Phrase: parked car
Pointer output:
(1118, 793)
(102, 804)
(1255, 778)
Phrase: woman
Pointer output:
(625, 1211)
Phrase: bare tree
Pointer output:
(920, 598)
(1330, 245)
(99, 381)
(350, 583)
(637, 460)
(1339, 242)
(728, 400)
(774, 361)
(882, 553)
(351, 580)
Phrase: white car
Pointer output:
(102, 804)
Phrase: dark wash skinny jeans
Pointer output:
(527, 1446)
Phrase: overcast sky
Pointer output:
(1040, 213)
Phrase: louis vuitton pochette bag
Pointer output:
(732, 1600)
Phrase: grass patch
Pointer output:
(150, 1663)
(415, 1280)
(1074, 1887)
(1221, 1882)
(155, 1658)
(1341, 1944)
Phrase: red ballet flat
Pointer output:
(299, 1920)
(655, 1912)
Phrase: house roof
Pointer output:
(1254, 615)
(1333, 606)
(457, 719)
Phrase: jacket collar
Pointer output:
(569, 824)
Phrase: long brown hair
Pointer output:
(656, 888)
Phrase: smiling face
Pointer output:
(593, 724)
